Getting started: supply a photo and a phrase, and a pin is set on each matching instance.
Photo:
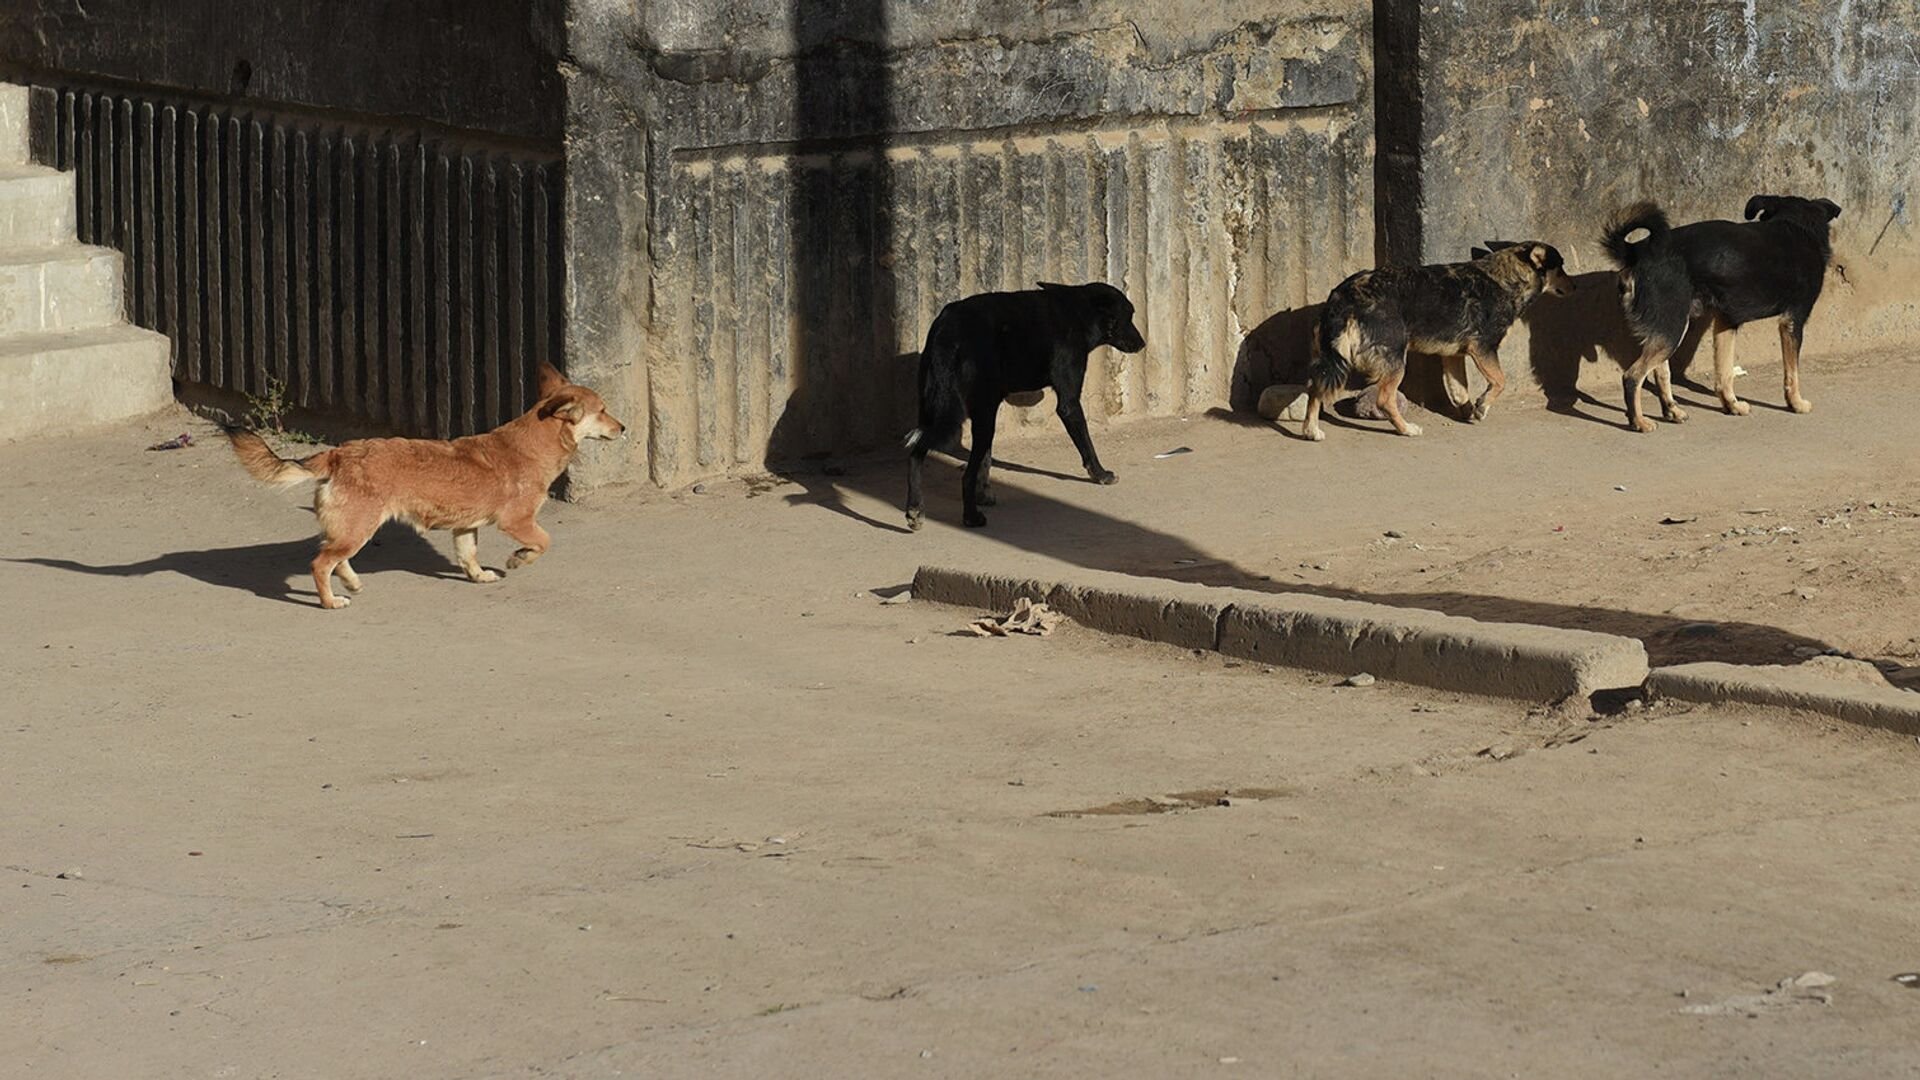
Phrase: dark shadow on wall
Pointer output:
(1568, 332)
(850, 388)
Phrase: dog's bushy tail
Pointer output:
(270, 468)
(942, 406)
(1331, 363)
(1624, 223)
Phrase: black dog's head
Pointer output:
(1812, 213)
(1108, 311)
(1543, 260)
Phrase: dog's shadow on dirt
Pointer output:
(1030, 520)
(276, 570)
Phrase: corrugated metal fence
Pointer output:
(407, 280)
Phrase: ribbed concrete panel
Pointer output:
(1208, 227)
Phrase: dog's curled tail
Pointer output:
(1629, 220)
(270, 468)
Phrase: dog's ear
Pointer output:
(565, 408)
(1054, 286)
(1832, 208)
(1760, 206)
(1499, 245)
(1539, 255)
(1479, 253)
(549, 380)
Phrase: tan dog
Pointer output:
(498, 478)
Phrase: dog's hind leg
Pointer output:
(344, 530)
(982, 451)
(1653, 355)
(916, 461)
(1387, 395)
(534, 540)
(466, 549)
(1663, 381)
(1453, 374)
(337, 547)
(1792, 333)
(986, 497)
(1724, 337)
(1488, 361)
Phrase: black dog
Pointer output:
(983, 348)
(1731, 272)
(1459, 310)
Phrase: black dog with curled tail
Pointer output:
(1729, 272)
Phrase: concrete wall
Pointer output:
(484, 65)
(1535, 119)
(767, 213)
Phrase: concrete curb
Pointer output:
(1342, 637)
(1872, 706)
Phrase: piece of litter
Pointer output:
(1175, 451)
(1738, 371)
(1027, 617)
(1229, 1061)
(1394, 534)
(1361, 679)
(1619, 487)
(1559, 528)
(1677, 520)
(1908, 979)
(178, 442)
(925, 1054)
(1088, 989)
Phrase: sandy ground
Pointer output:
(686, 799)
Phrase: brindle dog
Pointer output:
(1458, 310)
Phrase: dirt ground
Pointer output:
(686, 799)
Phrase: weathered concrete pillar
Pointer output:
(768, 201)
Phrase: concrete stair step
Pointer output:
(13, 124)
(66, 287)
(55, 383)
(36, 205)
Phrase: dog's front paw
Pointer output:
(1800, 405)
(1105, 477)
(1413, 431)
(1314, 434)
(485, 576)
(1640, 424)
(1676, 415)
(334, 603)
(1478, 412)
(914, 520)
(973, 519)
(1736, 407)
